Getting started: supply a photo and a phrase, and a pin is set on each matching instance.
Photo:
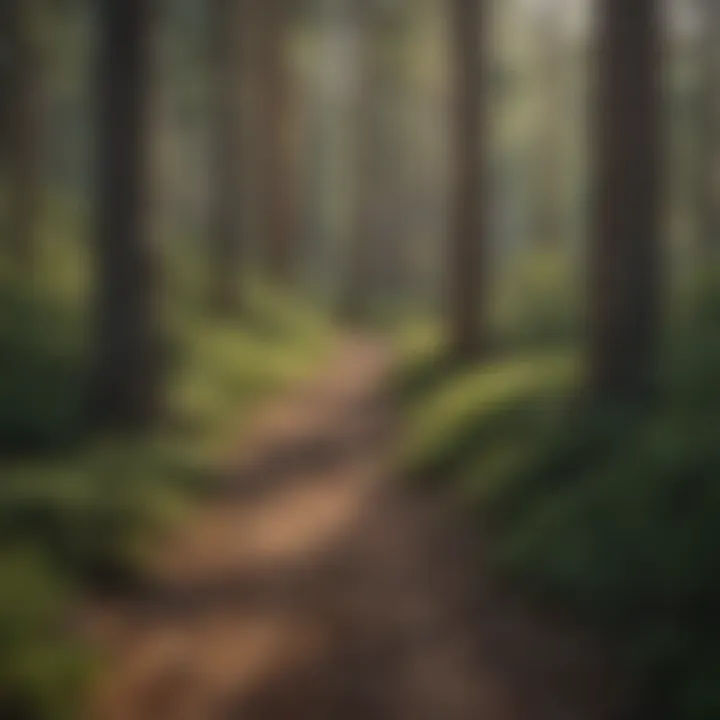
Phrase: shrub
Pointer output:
(607, 513)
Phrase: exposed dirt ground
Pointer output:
(317, 587)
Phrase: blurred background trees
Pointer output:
(227, 45)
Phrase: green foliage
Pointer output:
(41, 372)
(479, 406)
(608, 513)
(41, 670)
(224, 367)
(78, 512)
(540, 303)
(88, 513)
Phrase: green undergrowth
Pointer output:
(79, 512)
(609, 514)
(224, 367)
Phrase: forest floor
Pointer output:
(317, 586)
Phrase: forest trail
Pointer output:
(318, 588)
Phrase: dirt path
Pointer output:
(318, 589)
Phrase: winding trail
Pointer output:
(317, 588)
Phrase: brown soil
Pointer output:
(315, 587)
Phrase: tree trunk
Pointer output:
(226, 223)
(550, 139)
(22, 129)
(708, 137)
(364, 230)
(127, 373)
(468, 243)
(5, 90)
(625, 258)
(377, 177)
(277, 142)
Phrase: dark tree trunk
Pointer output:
(278, 171)
(127, 373)
(625, 260)
(468, 243)
(708, 136)
(6, 10)
(226, 222)
(364, 230)
(22, 128)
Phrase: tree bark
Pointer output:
(708, 137)
(23, 129)
(549, 142)
(468, 243)
(364, 230)
(127, 372)
(226, 223)
(625, 267)
(278, 171)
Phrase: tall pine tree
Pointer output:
(467, 277)
(625, 267)
(127, 372)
